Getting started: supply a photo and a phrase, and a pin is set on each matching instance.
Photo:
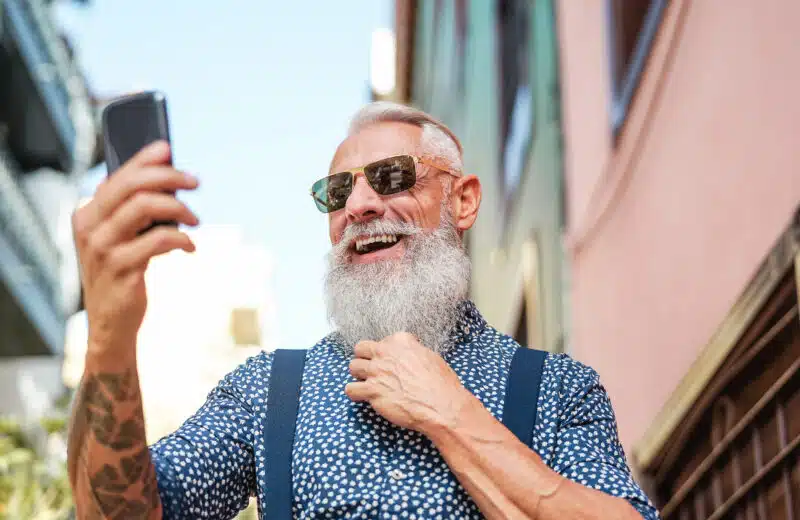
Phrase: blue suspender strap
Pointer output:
(522, 393)
(283, 400)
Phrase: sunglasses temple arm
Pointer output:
(320, 201)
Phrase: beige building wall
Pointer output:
(667, 223)
(207, 313)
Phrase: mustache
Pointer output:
(373, 227)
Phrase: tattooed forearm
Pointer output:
(109, 462)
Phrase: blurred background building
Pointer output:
(207, 312)
(640, 173)
(47, 142)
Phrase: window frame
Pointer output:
(624, 89)
(509, 192)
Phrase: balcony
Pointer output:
(47, 140)
(47, 108)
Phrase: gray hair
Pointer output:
(437, 140)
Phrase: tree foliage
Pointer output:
(33, 484)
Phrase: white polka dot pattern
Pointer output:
(348, 462)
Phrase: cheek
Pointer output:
(421, 212)
(428, 209)
(336, 226)
(406, 208)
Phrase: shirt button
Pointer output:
(396, 474)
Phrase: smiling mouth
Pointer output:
(366, 245)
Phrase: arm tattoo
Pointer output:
(109, 461)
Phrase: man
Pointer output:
(398, 413)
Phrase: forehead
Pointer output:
(374, 142)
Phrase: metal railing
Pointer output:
(29, 258)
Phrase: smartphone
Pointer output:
(129, 124)
(132, 122)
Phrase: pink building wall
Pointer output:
(666, 226)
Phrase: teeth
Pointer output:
(362, 243)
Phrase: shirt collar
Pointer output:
(470, 324)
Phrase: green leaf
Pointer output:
(53, 425)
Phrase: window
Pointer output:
(447, 62)
(245, 328)
(632, 27)
(514, 40)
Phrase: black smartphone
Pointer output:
(129, 124)
(132, 122)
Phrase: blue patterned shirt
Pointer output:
(349, 462)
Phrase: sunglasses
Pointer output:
(387, 177)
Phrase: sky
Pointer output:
(259, 95)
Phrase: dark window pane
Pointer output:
(632, 28)
(628, 21)
(516, 94)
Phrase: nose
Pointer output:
(363, 203)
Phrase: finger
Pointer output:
(403, 337)
(365, 349)
(360, 391)
(138, 252)
(128, 180)
(138, 213)
(157, 152)
(360, 368)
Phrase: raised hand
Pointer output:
(113, 255)
(109, 463)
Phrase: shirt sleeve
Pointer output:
(588, 450)
(205, 469)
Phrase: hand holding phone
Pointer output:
(114, 253)
(117, 232)
(130, 124)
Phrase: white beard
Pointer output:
(419, 293)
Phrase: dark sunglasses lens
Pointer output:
(391, 175)
(330, 193)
